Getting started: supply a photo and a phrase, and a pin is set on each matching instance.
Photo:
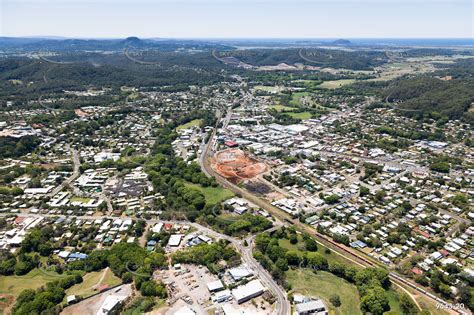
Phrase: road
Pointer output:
(283, 306)
(339, 249)
(76, 164)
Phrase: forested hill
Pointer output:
(26, 75)
(447, 93)
(355, 60)
(433, 97)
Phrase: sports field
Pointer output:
(282, 108)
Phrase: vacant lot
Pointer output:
(324, 284)
(91, 281)
(213, 195)
(192, 123)
(336, 83)
(236, 165)
(394, 302)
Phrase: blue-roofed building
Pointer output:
(358, 244)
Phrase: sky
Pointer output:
(238, 18)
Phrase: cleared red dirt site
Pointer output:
(236, 165)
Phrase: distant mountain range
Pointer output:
(63, 44)
(72, 44)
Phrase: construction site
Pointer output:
(236, 165)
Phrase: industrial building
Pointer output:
(248, 291)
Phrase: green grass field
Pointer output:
(324, 284)
(302, 115)
(13, 285)
(91, 280)
(192, 123)
(336, 83)
(213, 195)
(394, 302)
(282, 108)
(296, 98)
(332, 257)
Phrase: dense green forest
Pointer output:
(433, 97)
(20, 76)
(444, 94)
(149, 67)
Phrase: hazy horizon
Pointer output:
(241, 19)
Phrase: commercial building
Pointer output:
(311, 307)
(215, 286)
(248, 291)
(111, 303)
(240, 272)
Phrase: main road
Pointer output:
(77, 163)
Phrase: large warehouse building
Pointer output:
(248, 291)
